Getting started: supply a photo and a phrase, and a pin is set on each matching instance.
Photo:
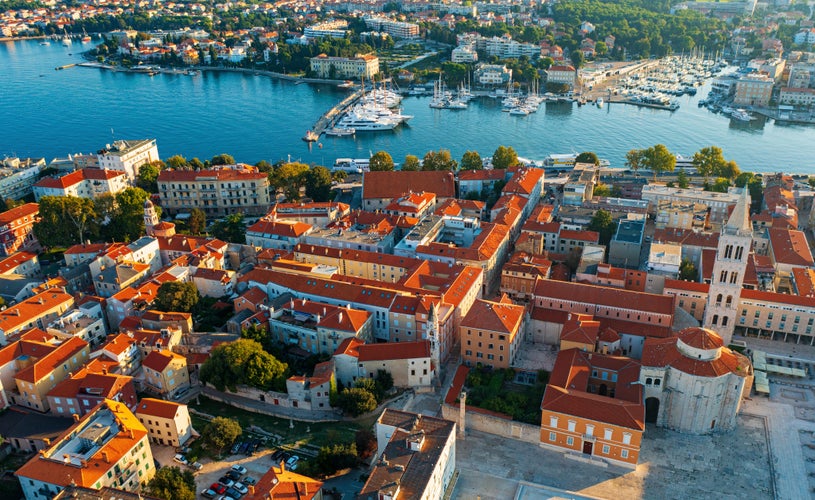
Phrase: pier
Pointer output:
(331, 116)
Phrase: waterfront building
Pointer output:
(17, 176)
(85, 183)
(729, 270)
(562, 74)
(361, 66)
(492, 332)
(504, 47)
(492, 74)
(416, 457)
(396, 29)
(693, 383)
(719, 203)
(17, 228)
(128, 156)
(476, 181)
(593, 405)
(797, 97)
(106, 447)
(464, 54)
(754, 89)
(218, 191)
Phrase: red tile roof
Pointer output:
(581, 328)
(394, 350)
(349, 346)
(45, 365)
(790, 247)
(605, 296)
(686, 237)
(288, 229)
(158, 408)
(664, 352)
(15, 213)
(159, 360)
(78, 176)
(15, 260)
(389, 185)
(482, 175)
(494, 316)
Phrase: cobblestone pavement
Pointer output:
(672, 465)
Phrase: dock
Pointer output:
(65, 66)
(331, 116)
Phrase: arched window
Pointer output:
(715, 319)
(718, 299)
(728, 251)
(723, 277)
(724, 320)
(729, 301)
(739, 252)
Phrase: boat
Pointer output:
(366, 122)
(45, 42)
(742, 115)
(311, 136)
(85, 37)
(599, 102)
(340, 131)
(66, 39)
(519, 111)
(347, 84)
(352, 165)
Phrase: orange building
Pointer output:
(17, 228)
(491, 333)
(593, 405)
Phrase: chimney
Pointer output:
(251, 490)
(282, 466)
(46, 441)
(76, 417)
(105, 457)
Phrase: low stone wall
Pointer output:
(283, 409)
(493, 424)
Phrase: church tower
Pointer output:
(729, 268)
(150, 217)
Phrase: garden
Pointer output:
(500, 391)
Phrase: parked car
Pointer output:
(256, 444)
(233, 475)
(240, 469)
(232, 492)
(244, 446)
(291, 463)
(209, 493)
(183, 450)
(277, 455)
(196, 466)
(180, 394)
(226, 481)
(236, 447)
(241, 488)
(249, 480)
(218, 488)
(181, 459)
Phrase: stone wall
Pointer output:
(493, 423)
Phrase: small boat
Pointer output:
(340, 131)
(310, 136)
(742, 115)
(346, 84)
(45, 42)
(66, 39)
(85, 37)
(519, 112)
(599, 102)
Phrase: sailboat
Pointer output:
(85, 37)
(66, 39)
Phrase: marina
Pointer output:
(254, 117)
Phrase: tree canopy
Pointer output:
(221, 432)
(411, 163)
(658, 159)
(318, 183)
(148, 176)
(602, 223)
(64, 220)
(471, 160)
(587, 157)
(381, 161)
(356, 401)
(172, 483)
(230, 229)
(504, 157)
(243, 362)
(176, 296)
(439, 160)
(289, 177)
(222, 159)
(128, 218)
(197, 222)
(709, 161)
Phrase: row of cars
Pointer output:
(286, 457)
(231, 486)
(247, 446)
(180, 458)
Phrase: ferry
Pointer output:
(351, 165)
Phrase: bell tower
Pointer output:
(150, 217)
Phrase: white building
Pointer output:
(464, 54)
(18, 176)
(565, 75)
(395, 29)
(366, 65)
(333, 29)
(85, 183)
(128, 156)
(693, 383)
(717, 202)
(167, 423)
(492, 74)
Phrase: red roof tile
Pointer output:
(12, 215)
(394, 350)
(494, 316)
(389, 185)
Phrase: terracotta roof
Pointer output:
(323, 372)
(33, 307)
(570, 234)
(218, 275)
(581, 328)
(664, 352)
(778, 298)
(158, 408)
(15, 260)
(483, 247)
(494, 316)
(804, 281)
(78, 176)
(482, 175)
(45, 365)
(349, 346)
(605, 296)
(389, 185)
(221, 174)
(281, 484)
(118, 344)
(568, 382)
(686, 285)
(394, 350)
(686, 237)
(524, 180)
(159, 360)
(701, 338)
(15, 213)
(790, 247)
(288, 229)
(93, 248)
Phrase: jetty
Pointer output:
(65, 66)
(330, 117)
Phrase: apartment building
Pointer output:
(718, 203)
(218, 192)
(84, 390)
(17, 176)
(492, 332)
(318, 214)
(17, 228)
(128, 156)
(34, 312)
(85, 183)
(167, 423)
(396, 29)
(166, 372)
(409, 363)
(754, 89)
(361, 66)
(318, 328)
(277, 234)
(108, 447)
(565, 75)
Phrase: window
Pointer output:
(624, 454)
(626, 438)
(552, 436)
(572, 425)
(589, 430)
(606, 449)
(608, 433)
(570, 441)
(552, 421)
(656, 382)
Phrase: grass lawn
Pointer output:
(315, 434)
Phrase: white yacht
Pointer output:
(366, 122)
(742, 115)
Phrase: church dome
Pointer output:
(699, 343)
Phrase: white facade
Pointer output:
(128, 156)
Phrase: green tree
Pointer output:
(578, 59)
(243, 362)
(603, 224)
(196, 164)
(259, 333)
(336, 457)
(439, 160)
(230, 229)
(197, 222)
(587, 157)
(658, 159)
(730, 170)
(177, 162)
(381, 161)
(709, 161)
(64, 220)
(171, 483)
(176, 296)
(148, 176)
(601, 190)
(289, 177)
(264, 166)
(318, 183)
(127, 223)
(366, 443)
(471, 160)
(220, 432)
(634, 159)
(504, 157)
(720, 186)
(682, 179)
(687, 271)
(356, 401)
(411, 163)
(222, 159)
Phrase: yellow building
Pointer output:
(366, 65)
(492, 332)
(166, 372)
